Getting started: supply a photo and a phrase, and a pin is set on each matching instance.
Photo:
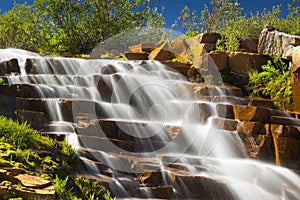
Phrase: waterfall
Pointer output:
(145, 110)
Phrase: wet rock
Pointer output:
(136, 56)
(250, 128)
(262, 103)
(225, 111)
(230, 99)
(183, 68)
(198, 187)
(19, 90)
(277, 43)
(288, 152)
(225, 124)
(162, 192)
(285, 121)
(279, 130)
(251, 113)
(204, 89)
(9, 67)
(7, 105)
(35, 119)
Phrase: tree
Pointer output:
(75, 26)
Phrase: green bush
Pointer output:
(273, 82)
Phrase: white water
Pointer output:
(154, 98)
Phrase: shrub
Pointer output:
(273, 82)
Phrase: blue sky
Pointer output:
(173, 7)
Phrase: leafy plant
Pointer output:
(22, 136)
(60, 186)
(273, 82)
(91, 190)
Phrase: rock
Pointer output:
(162, 192)
(160, 55)
(136, 56)
(215, 60)
(251, 113)
(262, 103)
(32, 181)
(243, 62)
(296, 57)
(277, 43)
(210, 38)
(249, 45)
(279, 130)
(295, 73)
(141, 48)
(196, 53)
(225, 124)
(9, 66)
(200, 187)
(250, 128)
(7, 105)
(183, 68)
(285, 121)
(225, 111)
(35, 119)
(36, 194)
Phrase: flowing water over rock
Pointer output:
(143, 130)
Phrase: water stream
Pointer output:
(145, 100)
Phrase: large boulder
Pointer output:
(277, 43)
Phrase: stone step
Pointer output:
(9, 67)
(288, 121)
(127, 130)
(59, 127)
(35, 119)
(7, 106)
(258, 114)
(225, 124)
(204, 89)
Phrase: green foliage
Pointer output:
(63, 193)
(22, 136)
(54, 26)
(273, 82)
(225, 17)
(91, 190)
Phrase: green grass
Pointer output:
(23, 147)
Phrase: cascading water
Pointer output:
(156, 110)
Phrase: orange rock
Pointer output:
(141, 48)
(251, 113)
(242, 62)
(217, 60)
